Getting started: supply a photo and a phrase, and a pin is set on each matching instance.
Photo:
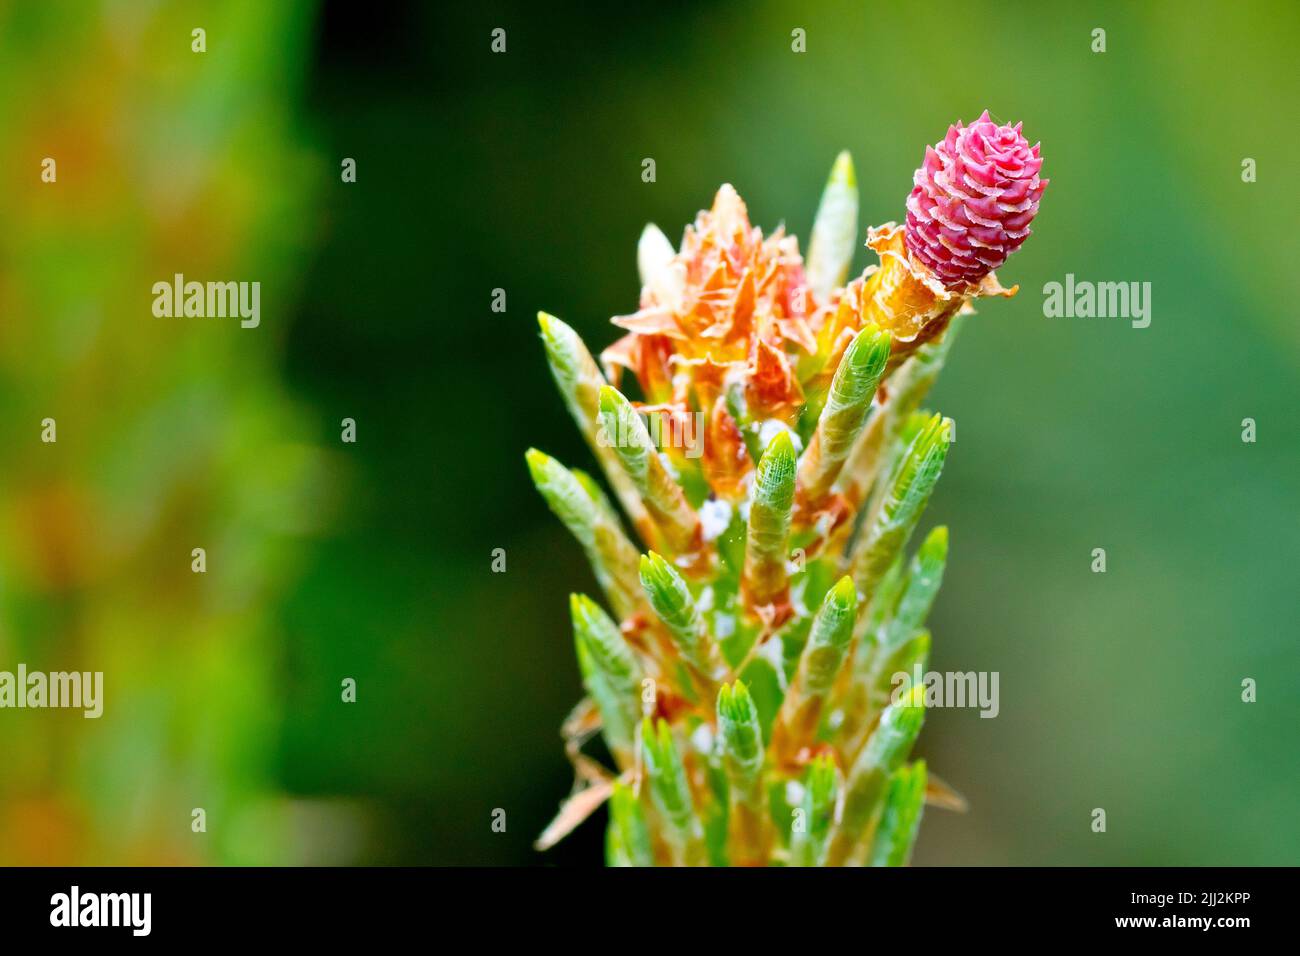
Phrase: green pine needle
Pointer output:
(740, 740)
(899, 510)
(672, 793)
(766, 548)
(610, 671)
(832, 630)
(579, 504)
(924, 576)
(813, 826)
(671, 599)
(835, 229)
(739, 734)
(819, 665)
(579, 381)
(909, 657)
(901, 817)
(845, 412)
(628, 832)
(622, 429)
(887, 747)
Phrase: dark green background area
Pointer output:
(522, 171)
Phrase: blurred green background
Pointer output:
(521, 171)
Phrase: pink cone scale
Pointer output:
(974, 198)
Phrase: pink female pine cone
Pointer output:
(974, 198)
(975, 195)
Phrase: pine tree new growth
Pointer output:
(760, 423)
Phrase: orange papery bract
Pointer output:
(726, 461)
